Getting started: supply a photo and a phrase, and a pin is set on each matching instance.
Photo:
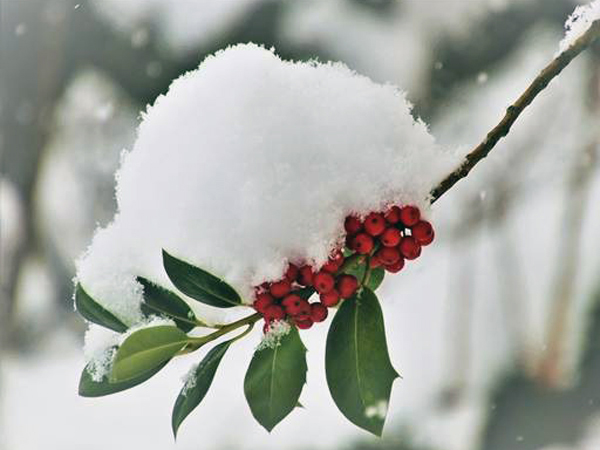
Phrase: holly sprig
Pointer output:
(358, 368)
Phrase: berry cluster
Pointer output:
(383, 239)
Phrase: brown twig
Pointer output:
(514, 111)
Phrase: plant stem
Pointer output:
(514, 111)
(249, 320)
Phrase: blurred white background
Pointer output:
(496, 329)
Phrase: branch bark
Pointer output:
(513, 112)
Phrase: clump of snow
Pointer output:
(251, 162)
(99, 350)
(189, 379)
(579, 22)
(100, 345)
(272, 337)
(378, 410)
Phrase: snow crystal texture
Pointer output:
(579, 22)
(251, 162)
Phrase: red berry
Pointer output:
(388, 255)
(263, 301)
(374, 262)
(334, 263)
(347, 285)
(291, 274)
(374, 224)
(274, 312)
(362, 243)
(323, 282)
(280, 288)
(390, 237)
(409, 247)
(318, 312)
(396, 267)
(352, 225)
(304, 324)
(295, 305)
(409, 215)
(305, 277)
(331, 298)
(423, 232)
(393, 215)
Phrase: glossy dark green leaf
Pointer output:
(94, 312)
(145, 350)
(161, 301)
(199, 284)
(274, 380)
(192, 394)
(375, 278)
(359, 372)
(91, 388)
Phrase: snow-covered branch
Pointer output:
(513, 112)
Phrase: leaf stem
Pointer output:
(197, 342)
(551, 71)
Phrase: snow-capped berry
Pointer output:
(291, 274)
(304, 324)
(396, 267)
(362, 243)
(318, 312)
(409, 247)
(388, 255)
(274, 312)
(393, 215)
(323, 282)
(263, 301)
(410, 215)
(295, 305)
(390, 237)
(374, 262)
(330, 298)
(374, 224)
(347, 285)
(305, 276)
(423, 232)
(334, 263)
(280, 288)
(352, 225)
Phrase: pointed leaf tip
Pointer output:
(200, 284)
(196, 387)
(91, 310)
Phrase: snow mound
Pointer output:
(251, 162)
(579, 22)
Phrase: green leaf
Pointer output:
(190, 397)
(359, 372)
(91, 388)
(145, 350)
(199, 284)
(274, 380)
(94, 312)
(158, 300)
(376, 278)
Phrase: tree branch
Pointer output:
(514, 111)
